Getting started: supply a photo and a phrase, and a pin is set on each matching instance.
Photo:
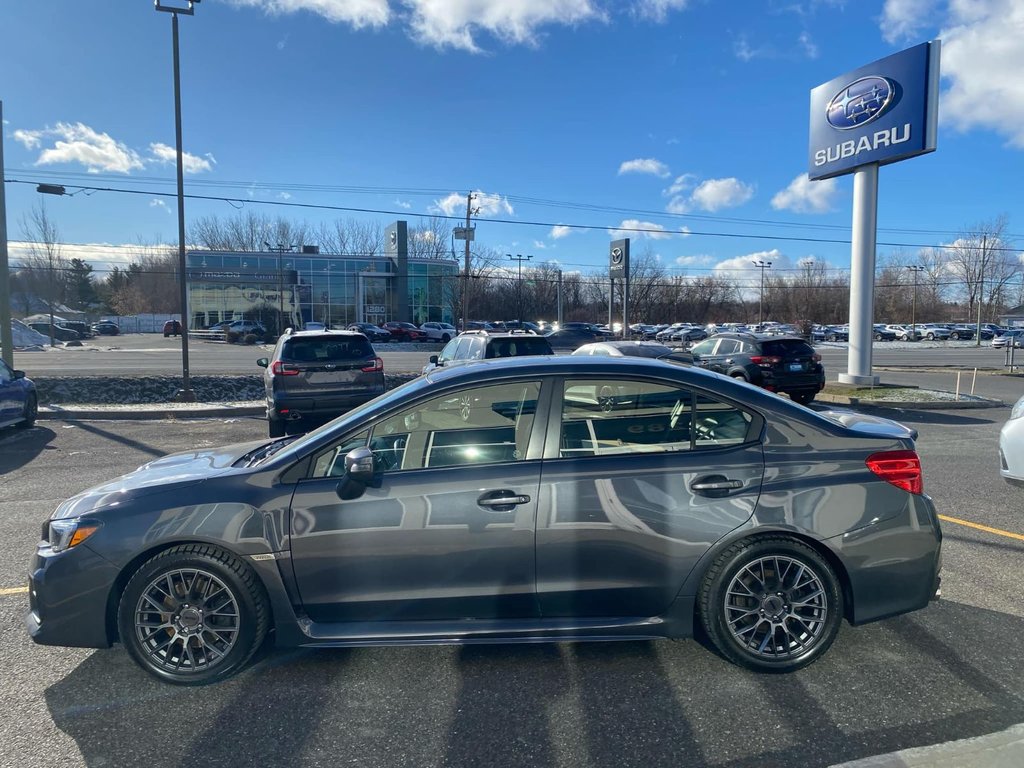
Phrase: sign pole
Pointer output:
(862, 276)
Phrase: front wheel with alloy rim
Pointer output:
(194, 614)
(771, 604)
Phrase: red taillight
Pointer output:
(765, 361)
(377, 366)
(899, 468)
(281, 369)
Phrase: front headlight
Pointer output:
(65, 534)
(1018, 409)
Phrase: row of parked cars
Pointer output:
(74, 330)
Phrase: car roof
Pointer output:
(317, 332)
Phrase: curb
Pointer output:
(56, 413)
(912, 405)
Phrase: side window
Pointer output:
(6, 374)
(727, 347)
(483, 425)
(602, 417)
(331, 463)
(475, 349)
(449, 351)
(705, 347)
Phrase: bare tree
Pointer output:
(44, 270)
(981, 257)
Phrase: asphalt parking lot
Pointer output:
(948, 672)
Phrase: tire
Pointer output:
(735, 623)
(445, 338)
(878, 337)
(276, 428)
(930, 337)
(29, 413)
(803, 398)
(739, 375)
(831, 338)
(214, 616)
(954, 337)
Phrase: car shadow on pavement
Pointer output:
(108, 435)
(19, 446)
(949, 672)
(944, 418)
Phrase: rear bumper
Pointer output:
(285, 408)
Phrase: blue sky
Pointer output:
(681, 115)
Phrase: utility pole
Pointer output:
(559, 298)
(465, 274)
(279, 249)
(519, 284)
(915, 268)
(6, 336)
(981, 289)
(762, 265)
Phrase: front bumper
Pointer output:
(68, 597)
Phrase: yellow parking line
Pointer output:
(980, 527)
(14, 591)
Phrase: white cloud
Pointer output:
(539, 245)
(700, 260)
(403, 204)
(904, 19)
(31, 139)
(742, 267)
(806, 196)
(645, 165)
(559, 231)
(637, 229)
(156, 202)
(808, 45)
(78, 143)
(485, 204)
(716, 194)
(284, 195)
(983, 56)
(356, 13)
(456, 23)
(658, 10)
(681, 184)
(165, 155)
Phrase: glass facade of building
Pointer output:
(327, 288)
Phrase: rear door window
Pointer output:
(787, 348)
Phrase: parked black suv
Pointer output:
(316, 375)
(480, 345)
(778, 363)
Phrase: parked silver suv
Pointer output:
(317, 375)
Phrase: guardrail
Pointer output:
(207, 335)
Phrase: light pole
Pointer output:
(279, 249)
(762, 265)
(519, 284)
(185, 394)
(915, 268)
(6, 335)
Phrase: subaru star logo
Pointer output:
(860, 102)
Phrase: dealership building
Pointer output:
(337, 289)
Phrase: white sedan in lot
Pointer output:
(1011, 446)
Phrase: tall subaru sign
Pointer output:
(878, 114)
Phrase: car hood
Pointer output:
(875, 426)
(174, 471)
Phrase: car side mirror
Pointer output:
(19, 374)
(433, 359)
(263, 362)
(359, 473)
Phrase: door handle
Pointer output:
(715, 483)
(494, 501)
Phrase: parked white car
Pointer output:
(903, 332)
(1011, 446)
(442, 332)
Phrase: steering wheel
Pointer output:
(606, 399)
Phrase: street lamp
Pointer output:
(519, 284)
(279, 249)
(762, 265)
(185, 394)
(915, 268)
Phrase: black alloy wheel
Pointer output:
(193, 614)
(771, 604)
(29, 413)
(954, 336)
(445, 338)
(276, 428)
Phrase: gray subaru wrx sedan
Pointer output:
(511, 500)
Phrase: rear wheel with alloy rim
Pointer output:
(29, 413)
(193, 614)
(771, 604)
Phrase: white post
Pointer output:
(862, 276)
